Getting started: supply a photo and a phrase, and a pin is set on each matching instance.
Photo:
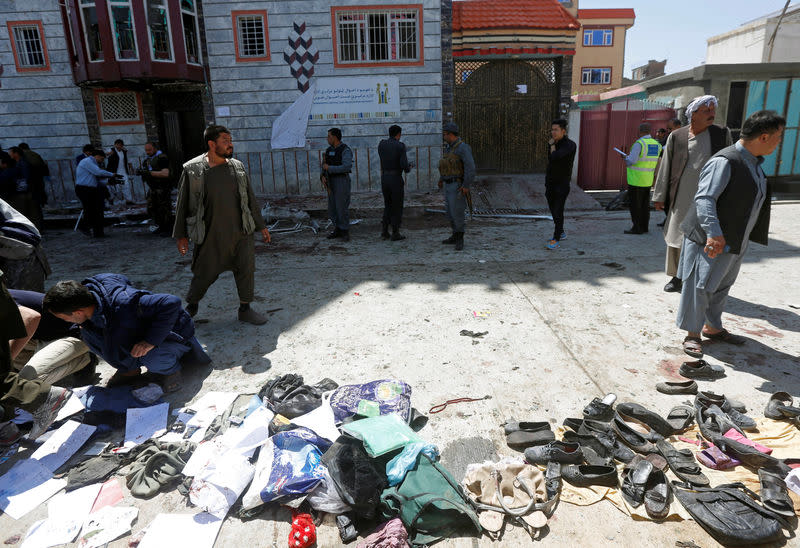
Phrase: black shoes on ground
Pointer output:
(341, 234)
(674, 285)
(456, 238)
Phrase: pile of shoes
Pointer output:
(638, 437)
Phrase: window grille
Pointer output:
(123, 30)
(251, 36)
(30, 52)
(118, 107)
(158, 21)
(378, 36)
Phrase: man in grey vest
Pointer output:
(336, 169)
(731, 207)
(394, 163)
(456, 174)
(218, 211)
(687, 150)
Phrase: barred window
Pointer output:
(118, 107)
(378, 36)
(91, 30)
(30, 52)
(190, 31)
(251, 37)
(158, 25)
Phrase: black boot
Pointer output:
(344, 235)
(335, 234)
(451, 240)
(385, 232)
(459, 241)
(396, 236)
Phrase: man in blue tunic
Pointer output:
(731, 207)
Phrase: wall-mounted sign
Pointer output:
(357, 97)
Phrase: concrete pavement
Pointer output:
(564, 326)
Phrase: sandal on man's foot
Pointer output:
(124, 377)
(726, 337)
(172, 383)
(693, 346)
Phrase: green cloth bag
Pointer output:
(382, 434)
(431, 504)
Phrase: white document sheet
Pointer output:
(218, 485)
(25, 486)
(106, 525)
(66, 514)
(64, 443)
(195, 530)
(73, 405)
(143, 423)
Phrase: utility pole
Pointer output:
(771, 41)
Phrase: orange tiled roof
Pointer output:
(510, 14)
(610, 13)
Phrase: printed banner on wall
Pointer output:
(352, 98)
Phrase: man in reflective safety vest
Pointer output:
(641, 164)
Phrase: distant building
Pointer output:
(600, 49)
(753, 43)
(652, 69)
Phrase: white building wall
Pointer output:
(45, 108)
(749, 43)
(258, 92)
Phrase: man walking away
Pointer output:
(456, 174)
(218, 211)
(90, 182)
(336, 169)
(641, 164)
(394, 163)
(731, 207)
(688, 149)
(156, 174)
(557, 178)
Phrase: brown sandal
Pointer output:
(693, 346)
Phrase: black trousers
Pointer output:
(556, 194)
(92, 200)
(639, 198)
(393, 190)
(159, 207)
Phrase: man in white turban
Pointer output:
(686, 152)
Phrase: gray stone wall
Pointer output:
(258, 92)
(44, 108)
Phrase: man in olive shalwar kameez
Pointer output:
(731, 207)
(217, 210)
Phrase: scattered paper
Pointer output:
(25, 486)
(66, 514)
(143, 423)
(106, 525)
(207, 408)
(110, 494)
(96, 448)
(621, 152)
(148, 394)
(195, 530)
(73, 405)
(218, 485)
(321, 421)
(64, 443)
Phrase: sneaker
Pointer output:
(251, 316)
(46, 415)
(563, 236)
(553, 244)
(9, 434)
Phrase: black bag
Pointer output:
(729, 515)
(289, 396)
(359, 479)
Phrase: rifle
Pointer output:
(324, 177)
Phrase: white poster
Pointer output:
(289, 129)
(357, 97)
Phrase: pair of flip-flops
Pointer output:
(781, 407)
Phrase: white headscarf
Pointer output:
(705, 100)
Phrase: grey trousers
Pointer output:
(51, 362)
(699, 306)
(673, 258)
(339, 202)
(455, 204)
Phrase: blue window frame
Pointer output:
(598, 37)
(595, 76)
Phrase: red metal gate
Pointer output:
(608, 126)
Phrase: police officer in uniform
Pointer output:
(394, 163)
(456, 174)
(336, 171)
(641, 164)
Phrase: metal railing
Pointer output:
(282, 172)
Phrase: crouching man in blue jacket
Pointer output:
(129, 328)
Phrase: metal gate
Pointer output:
(504, 110)
(608, 126)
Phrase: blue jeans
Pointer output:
(164, 359)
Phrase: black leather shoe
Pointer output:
(557, 451)
(586, 474)
(633, 439)
(598, 411)
(552, 480)
(385, 234)
(639, 413)
(707, 399)
(459, 241)
(396, 237)
(632, 231)
(674, 285)
(634, 480)
(451, 240)
(192, 309)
